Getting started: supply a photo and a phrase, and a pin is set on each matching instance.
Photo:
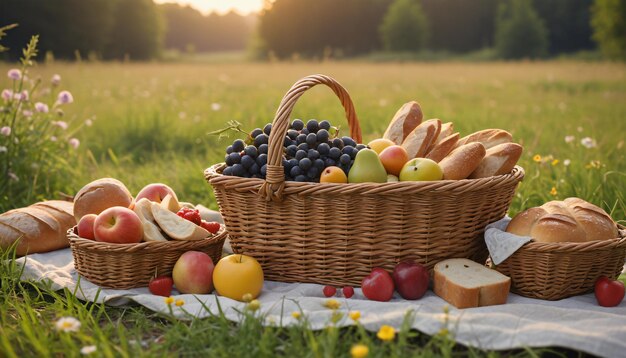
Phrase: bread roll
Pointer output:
(462, 161)
(37, 228)
(443, 148)
(464, 283)
(571, 220)
(488, 137)
(421, 138)
(447, 129)
(99, 195)
(403, 122)
(498, 160)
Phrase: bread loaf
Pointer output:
(403, 122)
(99, 195)
(420, 140)
(462, 161)
(443, 148)
(498, 160)
(464, 283)
(41, 227)
(571, 220)
(447, 129)
(488, 137)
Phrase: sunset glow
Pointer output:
(242, 7)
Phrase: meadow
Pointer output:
(150, 123)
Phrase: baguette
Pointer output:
(447, 129)
(462, 161)
(404, 122)
(488, 137)
(443, 148)
(41, 227)
(498, 160)
(419, 141)
(464, 283)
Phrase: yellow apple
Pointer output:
(379, 144)
(421, 169)
(236, 275)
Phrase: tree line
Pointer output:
(140, 29)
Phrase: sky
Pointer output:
(243, 7)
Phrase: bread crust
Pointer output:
(447, 129)
(488, 137)
(404, 122)
(462, 161)
(571, 220)
(443, 148)
(421, 138)
(99, 195)
(498, 160)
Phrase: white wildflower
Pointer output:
(588, 142)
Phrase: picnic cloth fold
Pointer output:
(577, 322)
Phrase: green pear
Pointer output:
(367, 168)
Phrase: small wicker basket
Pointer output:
(553, 271)
(123, 266)
(336, 233)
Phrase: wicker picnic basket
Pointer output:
(336, 233)
(553, 271)
(122, 266)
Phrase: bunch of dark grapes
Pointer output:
(308, 149)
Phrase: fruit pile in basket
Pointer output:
(410, 150)
(106, 211)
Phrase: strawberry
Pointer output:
(348, 291)
(212, 227)
(192, 215)
(329, 291)
(161, 286)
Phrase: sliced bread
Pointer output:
(464, 283)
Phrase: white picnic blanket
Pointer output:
(577, 322)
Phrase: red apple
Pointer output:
(155, 192)
(609, 293)
(411, 280)
(393, 158)
(378, 286)
(193, 273)
(86, 226)
(118, 224)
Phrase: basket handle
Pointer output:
(274, 184)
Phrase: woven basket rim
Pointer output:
(214, 176)
(144, 246)
(578, 247)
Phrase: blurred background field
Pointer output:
(150, 121)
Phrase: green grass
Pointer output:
(150, 123)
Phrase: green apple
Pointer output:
(421, 169)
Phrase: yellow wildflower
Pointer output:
(553, 192)
(254, 305)
(386, 333)
(443, 332)
(537, 158)
(247, 297)
(296, 315)
(332, 304)
(359, 351)
(169, 300)
(179, 303)
(355, 315)
(555, 162)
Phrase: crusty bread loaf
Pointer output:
(571, 220)
(419, 141)
(488, 137)
(447, 129)
(443, 148)
(403, 122)
(462, 161)
(464, 283)
(99, 195)
(498, 160)
(41, 227)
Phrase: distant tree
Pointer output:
(519, 31)
(609, 27)
(568, 24)
(137, 31)
(404, 27)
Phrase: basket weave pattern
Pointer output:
(123, 266)
(336, 233)
(553, 271)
